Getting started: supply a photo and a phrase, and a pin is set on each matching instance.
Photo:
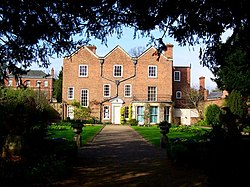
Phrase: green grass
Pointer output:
(152, 134)
(87, 135)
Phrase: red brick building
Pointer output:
(34, 79)
(117, 80)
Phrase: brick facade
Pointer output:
(134, 86)
(34, 79)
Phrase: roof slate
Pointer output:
(214, 95)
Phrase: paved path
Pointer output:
(119, 156)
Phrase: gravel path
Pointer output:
(119, 156)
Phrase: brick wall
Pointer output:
(100, 72)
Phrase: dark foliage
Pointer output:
(32, 31)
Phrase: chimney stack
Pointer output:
(92, 48)
(169, 51)
(52, 73)
(202, 83)
(202, 87)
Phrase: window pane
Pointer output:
(127, 91)
(10, 83)
(152, 71)
(126, 112)
(106, 90)
(178, 94)
(106, 112)
(84, 97)
(83, 70)
(153, 114)
(46, 84)
(140, 114)
(117, 71)
(177, 76)
(70, 93)
(151, 93)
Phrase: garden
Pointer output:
(33, 149)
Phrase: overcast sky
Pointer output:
(182, 55)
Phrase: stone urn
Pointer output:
(78, 128)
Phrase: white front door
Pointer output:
(116, 114)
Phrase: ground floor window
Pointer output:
(70, 112)
(166, 114)
(126, 111)
(153, 114)
(106, 112)
(140, 114)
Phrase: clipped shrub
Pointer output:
(212, 114)
(122, 117)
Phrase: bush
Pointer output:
(133, 122)
(212, 114)
(201, 123)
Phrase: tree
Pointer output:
(54, 25)
(136, 51)
(212, 115)
(233, 73)
(237, 104)
(195, 98)
(57, 92)
(80, 112)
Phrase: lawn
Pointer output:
(152, 134)
(67, 132)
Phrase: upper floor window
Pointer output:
(177, 76)
(84, 97)
(83, 70)
(151, 93)
(38, 83)
(70, 93)
(178, 95)
(9, 82)
(152, 71)
(106, 90)
(27, 83)
(46, 83)
(127, 90)
(117, 71)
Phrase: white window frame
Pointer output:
(150, 93)
(46, 83)
(82, 97)
(27, 82)
(130, 90)
(108, 90)
(114, 72)
(179, 77)
(70, 112)
(178, 94)
(10, 82)
(155, 69)
(69, 95)
(87, 70)
(38, 83)
(104, 112)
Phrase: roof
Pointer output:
(215, 95)
(34, 74)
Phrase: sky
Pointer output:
(183, 56)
